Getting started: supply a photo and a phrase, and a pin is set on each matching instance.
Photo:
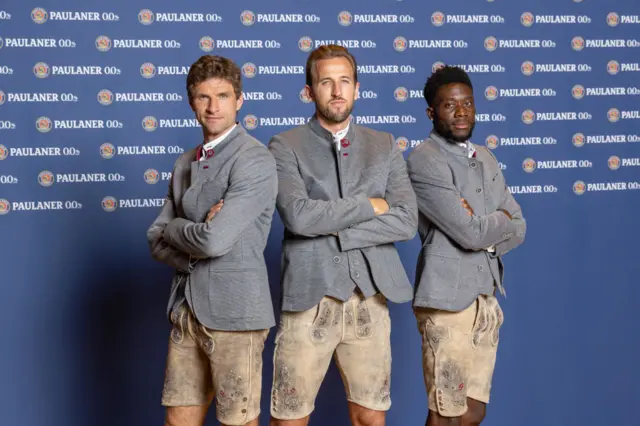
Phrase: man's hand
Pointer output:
(380, 206)
(466, 205)
(214, 210)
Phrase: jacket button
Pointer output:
(473, 164)
(336, 259)
(480, 268)
(479, 190)
(357, 274)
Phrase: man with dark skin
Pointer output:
(468, 220)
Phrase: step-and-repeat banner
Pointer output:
(94, 112)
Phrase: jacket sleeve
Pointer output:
(252, 189)
(399, 223)
(509, 204)
(160, 250)
(305, 216)
(440, 201)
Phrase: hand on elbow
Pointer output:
(380, 206)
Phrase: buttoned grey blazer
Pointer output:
(454, 266)
(226, 282)
(323, 192)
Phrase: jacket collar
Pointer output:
(236, 132)
(317, 128)
(450, 147)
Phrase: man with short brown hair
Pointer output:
(213, 229)
(345, 198)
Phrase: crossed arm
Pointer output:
(441, 202)
(160, 249)
(358, 221)
(252, 189)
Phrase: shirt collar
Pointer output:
(467, 146)
(338, 136)
(213, 143)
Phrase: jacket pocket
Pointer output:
(303, 271)
(238, 294)
(441, 276)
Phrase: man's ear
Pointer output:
(430, 113)
(309, 92)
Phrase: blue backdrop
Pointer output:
(93, 114)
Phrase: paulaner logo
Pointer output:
(400, 44)
(613, 115)
(305, 44)
(247, 18)
(577, 43)
(345, 18)
(613, 67)
(207, 44)
(145, 17)
(491, 43)
(528, 117)
(579, 187)
(527, 19)
(529, 165)
(105, 97)
(492, 141)
(249, 70)
(44, 124)
(5, 206)
(578, 91)
(151, 176)
(41, 70)
(250, 122)
(39, 15)
(149, 123)
(614, 162)
(4, 152)
(403, 143)
(613, 19)
(491, 93)
(45, 178)
(107, 150)
(103, 43)
(109, 204)
(401, 94)
(578, 140)
(148, 70)
(437, 19)
(528, 68)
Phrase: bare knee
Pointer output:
(185, 416)
(253, 422)
(299, 422)
(435, 419)
(475, 413)
(361, 416)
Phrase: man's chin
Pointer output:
(336, 116)
(460, 136)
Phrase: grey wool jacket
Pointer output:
(333, 242)
(454, 265)
(220, 266)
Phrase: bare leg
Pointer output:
(193, 415)
(361, 416)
